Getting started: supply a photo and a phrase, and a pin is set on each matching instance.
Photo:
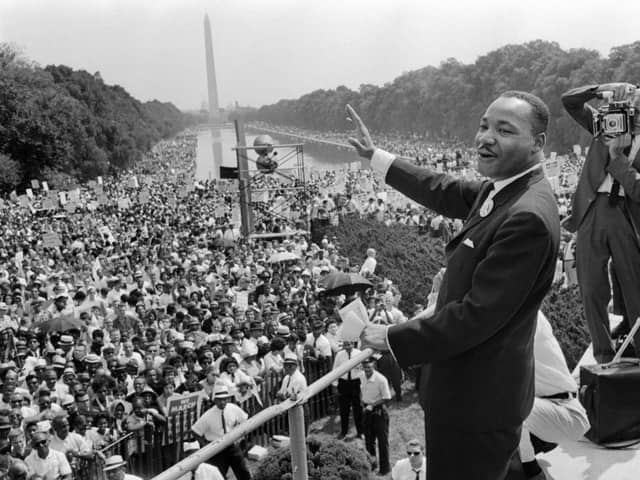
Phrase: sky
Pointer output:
(266, 50)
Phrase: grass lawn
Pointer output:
(406, 421)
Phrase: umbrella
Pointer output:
(339, 282)
(280, 257)
(61, 323)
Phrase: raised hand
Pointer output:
(363, 144)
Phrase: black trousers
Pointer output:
(232, 457)
(376, 429)
(606, 233)
(388, 366)
(349, 399)
(457, 454)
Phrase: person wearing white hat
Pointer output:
(293, 382)
(214, 424)
(204, 471)
(115, 469)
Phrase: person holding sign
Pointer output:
(476, 351)
(606, 215)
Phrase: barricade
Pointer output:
(150, 451)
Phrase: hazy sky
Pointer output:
(266, 50)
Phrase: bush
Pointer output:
(327, 459)
(407, 258)
(411, 259)
(564, 310)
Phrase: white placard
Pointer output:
(354, 319)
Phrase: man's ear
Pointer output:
(539, 141)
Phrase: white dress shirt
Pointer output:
(343, 357)
(209, 425)
(403, 470)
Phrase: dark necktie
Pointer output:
(224, 424)
(614, 195)
(349, 374)
(417, 474)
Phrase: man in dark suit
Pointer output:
(606, 215)
(477, 383)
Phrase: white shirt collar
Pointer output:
(500, 184)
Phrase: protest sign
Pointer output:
(123, 203)
(45, 186)
(182, 411)
(133, 182)
(35, 184)
(242, 300)
(29, 193)
(51, 240)
(144, 196)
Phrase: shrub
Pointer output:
(327, 459)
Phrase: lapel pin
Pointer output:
(486, 207)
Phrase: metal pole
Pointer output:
(243, 181)
(297, 443)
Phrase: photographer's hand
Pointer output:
(364, 146)
(617, 144)
(621, 90)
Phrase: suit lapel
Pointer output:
(507, 193)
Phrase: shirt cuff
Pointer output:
(386, 336)
(381, 161)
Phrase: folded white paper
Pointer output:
(354, 319)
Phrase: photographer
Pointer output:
(606, 210)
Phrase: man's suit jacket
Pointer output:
(479, 342)
(598, 163)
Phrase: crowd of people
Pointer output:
(122, 293)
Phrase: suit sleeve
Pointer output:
(575, 103)
(500, 286)
(441, 193)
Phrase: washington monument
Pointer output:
(211, 73)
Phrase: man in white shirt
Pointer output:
(317, 341)
(348, 391)
(375, 393)
(214, 424)
(414, 467)
(293, 382)
(69, 443)
(557, 415)
(46, 462)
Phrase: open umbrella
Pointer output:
(338, 283)
(285, 256)
(61, 323)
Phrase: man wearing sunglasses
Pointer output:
(414, 467)
(46, 462)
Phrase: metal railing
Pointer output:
(295, 409)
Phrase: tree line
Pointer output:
(62, 125)
(446, 102)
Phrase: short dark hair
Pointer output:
(539, 110)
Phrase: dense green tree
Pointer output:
(446, 102)
(58, 123)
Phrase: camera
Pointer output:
(614, 118)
